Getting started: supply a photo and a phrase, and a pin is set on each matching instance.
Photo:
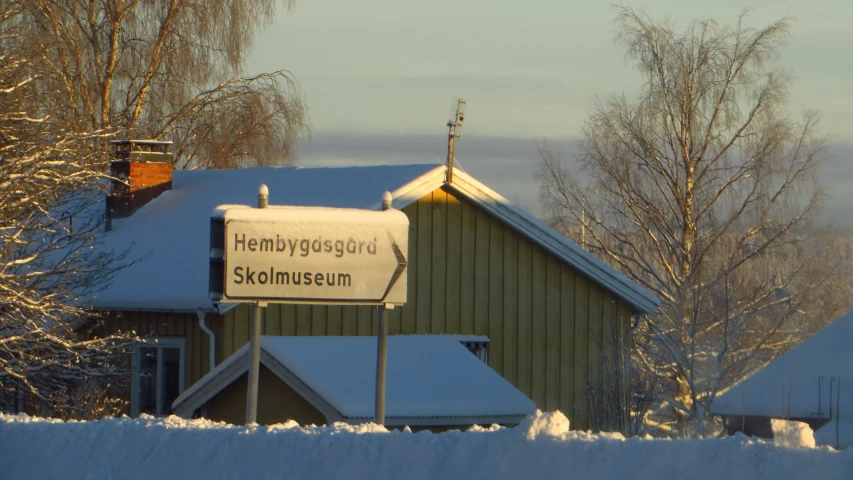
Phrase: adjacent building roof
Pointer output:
(838, 434)
(172, 232)
(801, 384)
(431, 380)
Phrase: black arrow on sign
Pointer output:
(401, 265)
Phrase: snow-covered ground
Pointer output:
(542, 447)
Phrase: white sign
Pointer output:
(312, 254)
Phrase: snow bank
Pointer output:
(552, 424)
(542, 447)
(787, 433)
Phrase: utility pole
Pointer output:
(454, 128)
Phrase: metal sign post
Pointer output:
(382, 343)
(255, 339)
(381, 356)
(254, 362)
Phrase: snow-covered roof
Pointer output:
(430, 380)
(834, 434)
(172, 232)
(801, 384)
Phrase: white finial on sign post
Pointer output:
(387, 199)
(263, 196)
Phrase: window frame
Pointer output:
(160, 344)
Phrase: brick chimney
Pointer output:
(142, 170)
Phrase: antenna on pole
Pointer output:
(454, 129)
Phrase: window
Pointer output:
(158, 376)
(476, 344)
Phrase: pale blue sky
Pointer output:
(378, 74)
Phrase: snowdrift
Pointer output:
(541, 447)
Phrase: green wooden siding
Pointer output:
(469, 273)
(277, 403)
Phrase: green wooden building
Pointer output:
(557, 319)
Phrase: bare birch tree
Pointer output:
(702, 189)
(165, 69)
(49, 220)
(74, 74)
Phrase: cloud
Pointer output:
(508, 164)
(430, 148)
